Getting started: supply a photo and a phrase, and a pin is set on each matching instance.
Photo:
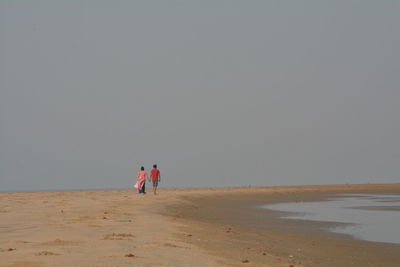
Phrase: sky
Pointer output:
(217, 93)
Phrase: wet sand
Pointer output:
(229, 224)
(179, 227)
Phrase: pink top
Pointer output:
(142, 175)
(141, 178)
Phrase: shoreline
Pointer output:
(179, 227)
(259, 236)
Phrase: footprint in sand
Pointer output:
(118, 236)
(46, 253)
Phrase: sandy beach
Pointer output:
(179, 227)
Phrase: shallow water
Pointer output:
(369, 217)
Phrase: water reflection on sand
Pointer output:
(371, 217)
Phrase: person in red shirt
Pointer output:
(155, 177)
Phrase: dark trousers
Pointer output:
(143, 190)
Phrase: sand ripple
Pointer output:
(59, 242)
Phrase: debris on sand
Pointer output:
(118, 236)
(46, 253)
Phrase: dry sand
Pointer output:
(178, 227)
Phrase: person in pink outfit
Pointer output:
(141, 181)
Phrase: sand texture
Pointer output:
(178, 227)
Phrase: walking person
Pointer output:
(155, 177)
(141, 181)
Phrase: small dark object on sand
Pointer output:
(245, 261)
(264, 253)
(130, 255)
(189, 235)
(11, 249)
(104, 218)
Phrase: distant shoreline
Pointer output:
(190, 188)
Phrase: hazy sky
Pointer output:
(217, 93)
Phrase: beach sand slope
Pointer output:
(179, 227)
